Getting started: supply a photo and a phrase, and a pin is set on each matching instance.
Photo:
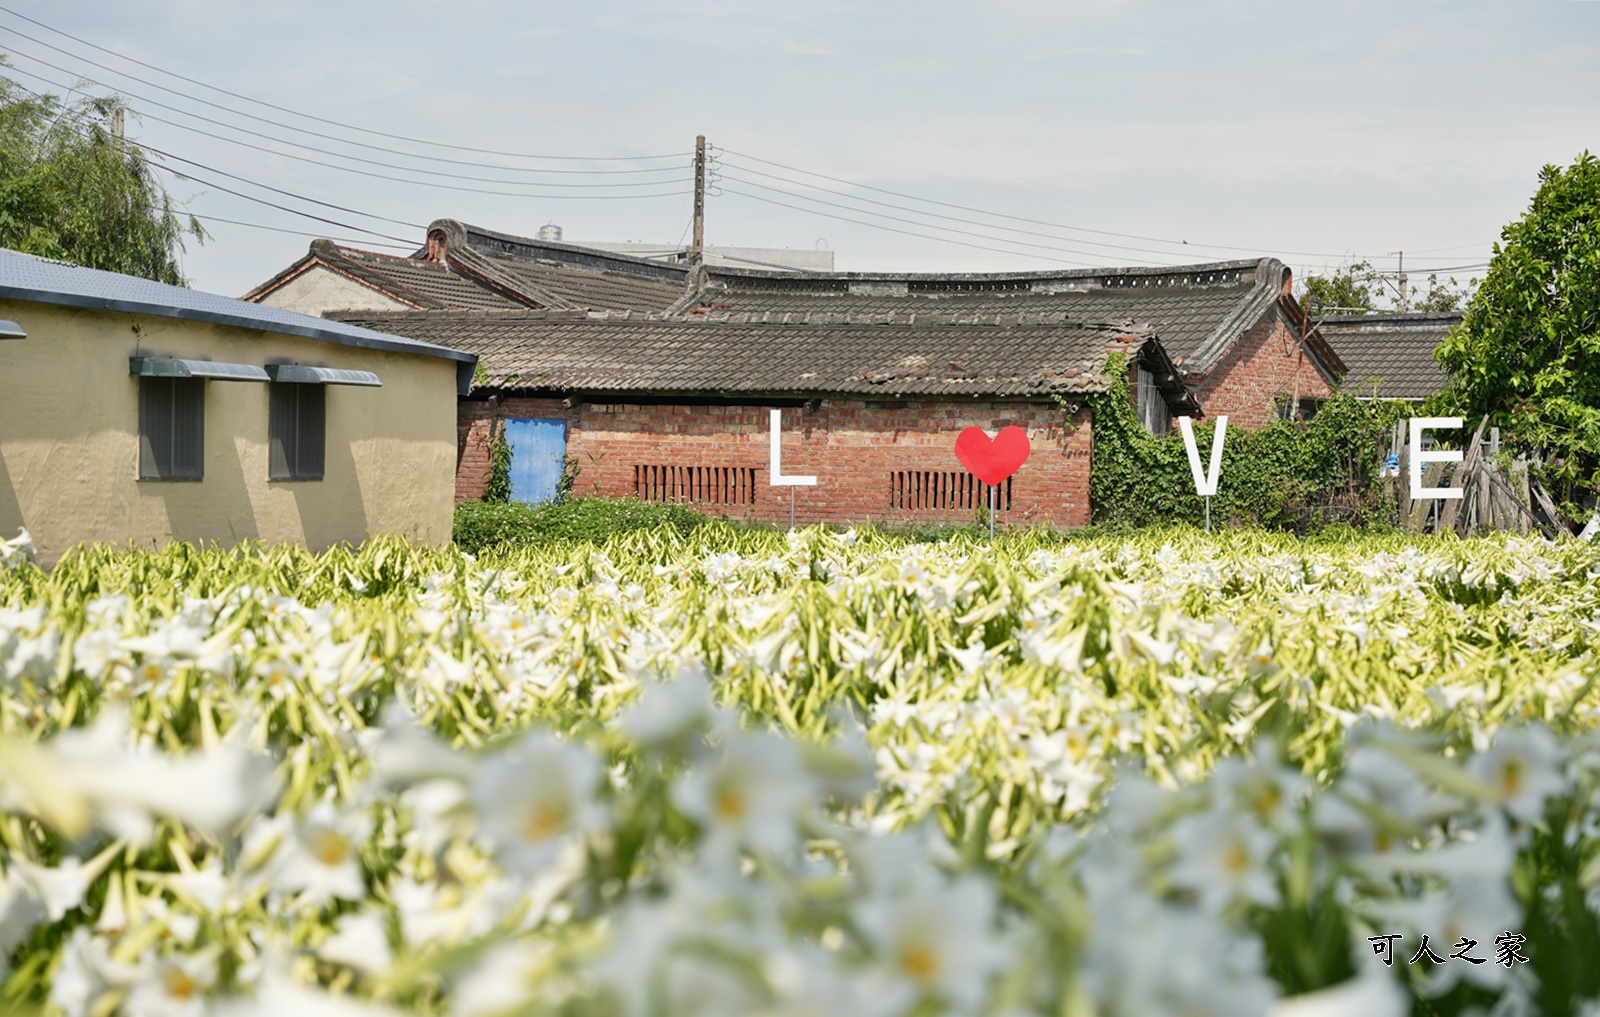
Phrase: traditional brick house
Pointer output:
(678, 409)
(608, 357)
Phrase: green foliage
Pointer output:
(1358, 288)
(69, 191)
(481, 525)
(1444, 297)
(1287, 475)
(569, 476)
(497, 490)
(1527, 352)
(1353, 289)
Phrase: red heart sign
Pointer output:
(993, 461)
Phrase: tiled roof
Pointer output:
(1390, 356)
(1199, 311)
(434, 281)
(575, 351)
(424, 285)
(594, 289)
(44, 281)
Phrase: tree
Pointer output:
(1353, 289)
(1444, 297)
(70, 190)
(1358, 288)
(1527, 352)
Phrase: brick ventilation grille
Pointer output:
(941, 489)
(714, 485)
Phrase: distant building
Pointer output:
(136, 411)
(1389, 356)
(678, 409)
(653, 378)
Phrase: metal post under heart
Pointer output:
(992, 461)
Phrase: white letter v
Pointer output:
(1204, 485)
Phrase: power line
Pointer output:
(285, 208)
(297, 233)
(278, 190)
(935, 215)
(909, 233)
(340, 155)
(403, 243)
(1023, 219)
(914, 222)
(317, 119)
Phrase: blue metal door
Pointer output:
(537, 450)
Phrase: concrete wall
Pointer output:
(1267, 362)
(69, 443)
(320, 289)
(853, 448)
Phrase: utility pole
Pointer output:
(1400, 278)
(697, 250)
(116, 131)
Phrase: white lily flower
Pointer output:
(60, 888)
(86, 973)
(321, 858)
(1222, 859)
(1524, 768)
(207, 886)
(130, 789)
(172, 986)
(361, 942)
(1266, 790)
(933, 941)
(498, 983)
(751, 792)
(534, 796)
(31, 658)
(276, 995)
(20, 911)
(95, 651)
(406, 754)
(18, 549)
(666, 710)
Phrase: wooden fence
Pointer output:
(1499, 494)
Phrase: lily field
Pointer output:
(748, 773)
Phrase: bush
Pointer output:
(1287, 475)
(480, 525)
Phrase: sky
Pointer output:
(909, 136)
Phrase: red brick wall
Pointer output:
(1267, 362)
(850, 446)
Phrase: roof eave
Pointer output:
(375, 341)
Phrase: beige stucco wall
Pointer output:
(320, 289)
(69, 445)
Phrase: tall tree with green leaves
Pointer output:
(1527, 352)
(70, 190)
(1353, 289)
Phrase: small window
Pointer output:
(172, 428)
(944, 489)
(715, 485)
(297, 431)
(1305, 409)
(1150, 404)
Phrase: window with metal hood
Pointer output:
(172, 428)
(297, 431)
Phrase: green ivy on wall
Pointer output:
(498, 487)
(1287, 475)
